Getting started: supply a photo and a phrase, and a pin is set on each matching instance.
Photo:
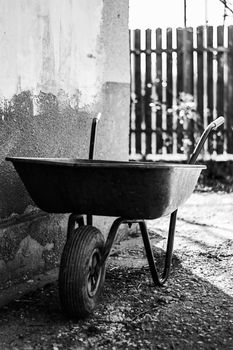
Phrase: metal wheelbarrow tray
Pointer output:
(130, 191)
(110, 188)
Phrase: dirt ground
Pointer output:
(194, 310)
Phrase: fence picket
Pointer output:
(138, 90)
(179, 36)
(188, 125)
(200, 66)
(210, 84)
(220, 86)
(159, 90)
(229, 121)
(148, 91)
(188, 60)
(169, 93)
(180, 86)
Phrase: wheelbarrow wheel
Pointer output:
(81, 274)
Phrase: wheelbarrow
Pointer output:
(130, 191)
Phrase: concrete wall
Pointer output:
(61, 62)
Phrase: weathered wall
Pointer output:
(61, 62)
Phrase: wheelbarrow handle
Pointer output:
(212, 126)
(92, 149)
(218, 122)
(93, 135)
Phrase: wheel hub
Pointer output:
(94, 274)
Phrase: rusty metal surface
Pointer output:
(108, 188)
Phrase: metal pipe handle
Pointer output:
(93, 135)
(91, 151)
(218, 122)
(212, 126)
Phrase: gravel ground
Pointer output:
(194, 310)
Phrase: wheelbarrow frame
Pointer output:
(86, 252)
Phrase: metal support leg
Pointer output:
(111, 238)
(157, 279)
(160, 280)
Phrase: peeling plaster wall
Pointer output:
(61, 62)
(51, 46)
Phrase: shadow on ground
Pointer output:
(188, 313)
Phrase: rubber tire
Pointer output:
(74, 274)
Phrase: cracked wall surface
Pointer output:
(61, 63)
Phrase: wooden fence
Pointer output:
(181, 79)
